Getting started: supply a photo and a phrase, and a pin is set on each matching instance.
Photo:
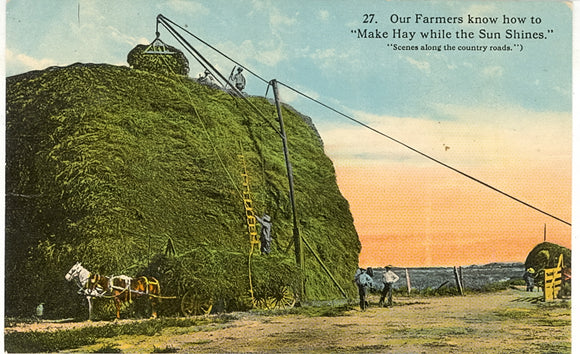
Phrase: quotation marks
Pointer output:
(521, 47)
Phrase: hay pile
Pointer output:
(105, 164)
(156, 60)
(546, 255)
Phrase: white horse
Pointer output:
(81, 276)
(121, 288)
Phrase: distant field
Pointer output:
(474, 276)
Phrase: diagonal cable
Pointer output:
(424, 154)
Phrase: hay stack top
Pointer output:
(158, 57)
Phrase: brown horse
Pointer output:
(125, 289)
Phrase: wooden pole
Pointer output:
(408, 281)
(544, 232)
(297, 239)
(458, 281)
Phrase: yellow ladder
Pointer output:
(250, 218)
(248, 204)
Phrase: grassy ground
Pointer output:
(502, 322)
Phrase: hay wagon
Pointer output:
(206, 280)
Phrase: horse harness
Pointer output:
(98, 285)
(126, 280)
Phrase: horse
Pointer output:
(121, 288)
(125, 289)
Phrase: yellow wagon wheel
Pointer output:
(194, 304)
(262, 303)
(284, 299)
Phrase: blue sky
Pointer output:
(309, 44)
(502, 116)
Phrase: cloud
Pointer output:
(492, 71)
(323, 15)
(421, 65)
(481, 9)
(323, 54)
(276, 18)
(186, 6)
(471, 138)
(289, 96)
(335, 62)
(269, 53)
(18, 62)
(120, 37)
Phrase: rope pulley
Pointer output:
(158, 46)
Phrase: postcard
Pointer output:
(269, 176)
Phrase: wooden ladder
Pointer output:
(248, 204)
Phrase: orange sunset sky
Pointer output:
(410, 211)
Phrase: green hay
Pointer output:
(174, 63)
(546, 254)
(104, 164)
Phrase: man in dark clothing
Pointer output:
(529, 278)
(265, 233)
(362, 280)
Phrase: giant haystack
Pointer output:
(109, 165)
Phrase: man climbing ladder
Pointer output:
(265, 233)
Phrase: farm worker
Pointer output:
(370, 273)
(239, 80)
(529, 278)
(207, 78)
(389, 277)
(362, 280)
(265, 233)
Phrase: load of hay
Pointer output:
(158, 58)
(105, 164)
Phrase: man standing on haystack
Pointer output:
(239, 80)
(389, 277)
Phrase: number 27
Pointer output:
(368, 18)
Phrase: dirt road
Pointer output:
(505, 322)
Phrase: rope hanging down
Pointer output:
(161, 17)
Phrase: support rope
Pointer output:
(165, 19)
(425, 155)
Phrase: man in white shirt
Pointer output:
(389, 277)
(239, 80)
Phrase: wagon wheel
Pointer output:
(194, 304)
(284, 299)
(263, 303)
